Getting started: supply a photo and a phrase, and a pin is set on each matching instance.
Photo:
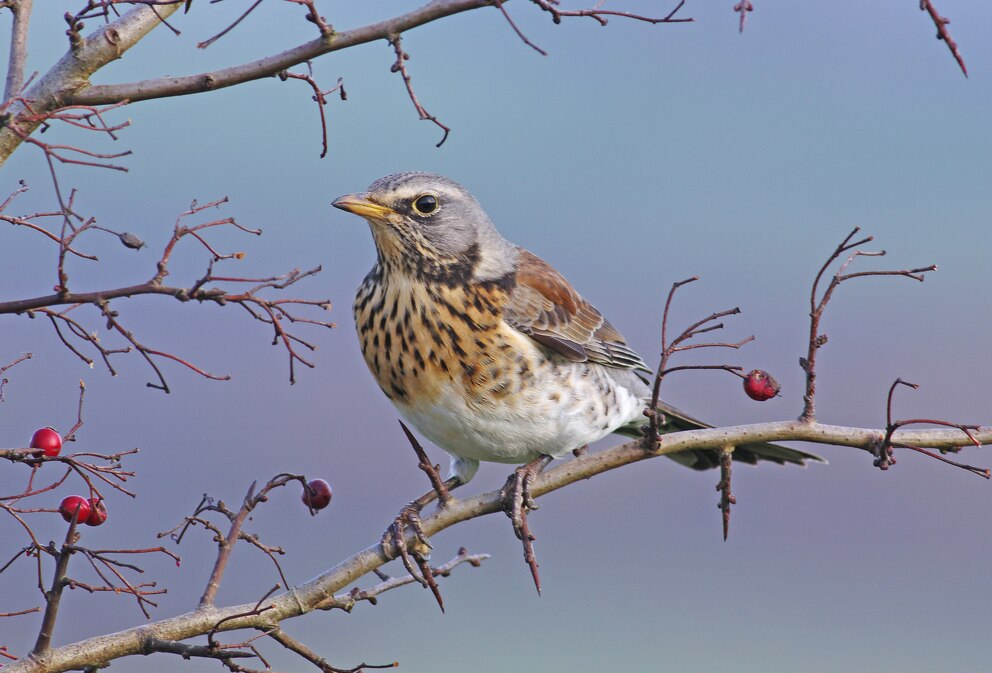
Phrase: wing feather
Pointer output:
(544, 306)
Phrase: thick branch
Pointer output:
(56, 87)
(307, 596)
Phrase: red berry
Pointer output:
(48, 440)
(317, 494)
(71, 504)
(98, 512)
(759, 385)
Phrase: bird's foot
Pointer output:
(416, 553)
(517, 501)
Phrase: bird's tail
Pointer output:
(704, 459)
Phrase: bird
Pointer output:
(485, 348)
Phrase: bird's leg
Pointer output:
(433, 471)
(416, 556)
(517, 501)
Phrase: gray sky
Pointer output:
(631, 157)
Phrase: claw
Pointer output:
(517, 501)
(415, 559)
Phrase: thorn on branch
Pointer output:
(727, 498)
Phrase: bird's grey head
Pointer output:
(427, 219)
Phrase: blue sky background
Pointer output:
(631, 157)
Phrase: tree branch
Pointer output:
(18, 47)
(272, 65)
(308, 596)
(72, 72)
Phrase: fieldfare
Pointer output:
(490, 353)
(485, 348)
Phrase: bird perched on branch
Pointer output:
(492, 355)
(485, 348)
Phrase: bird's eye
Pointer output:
(426, 204)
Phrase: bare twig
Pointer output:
(400, 66)
(883, 453)
(347, 601)
(236, 520)
(513, 25)
(18, 48)
(70, 436)
(602, 16)
(818, 303)
(320, 662)
(3, 370)
(319, 97)
(277, 313)
(677, 345)
(207, 43)
(743, 8)
(943, 34)
(188, 651)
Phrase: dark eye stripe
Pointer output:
(426, 204)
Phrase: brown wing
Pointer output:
(545, 307)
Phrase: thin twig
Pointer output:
(818, 303)
(18, 48)
(943, 34)
(400, 66)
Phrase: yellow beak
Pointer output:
(359, 204)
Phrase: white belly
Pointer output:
(566, 406)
